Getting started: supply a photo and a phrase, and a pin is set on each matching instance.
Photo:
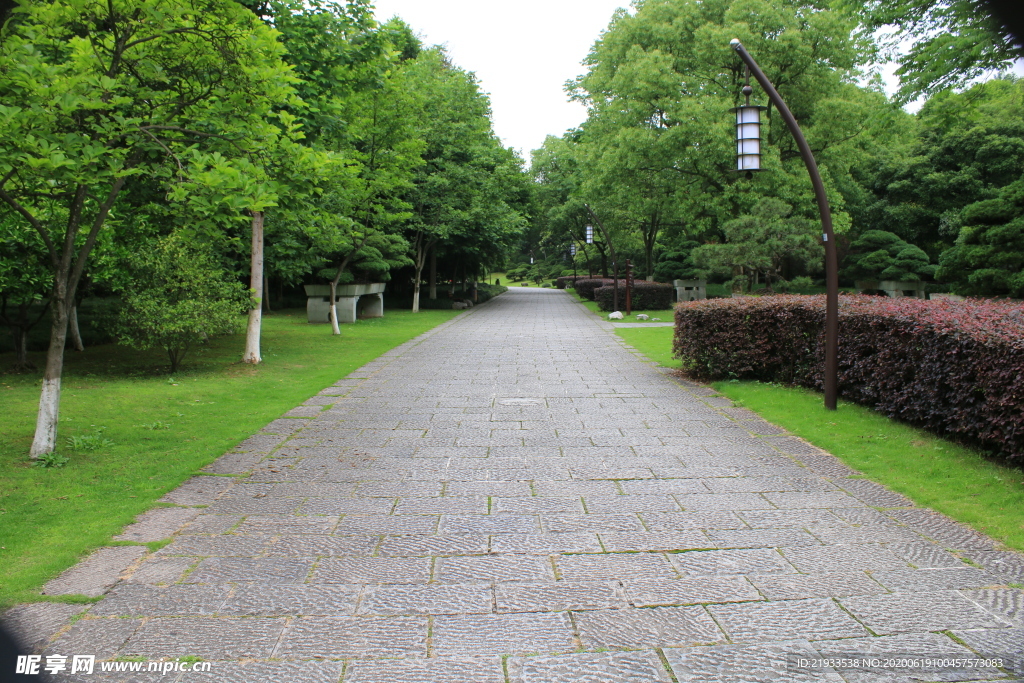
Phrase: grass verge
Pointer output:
(933, 472)
(149, 431)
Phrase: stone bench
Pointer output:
(354, 301)
(893, 288)
(690, 290)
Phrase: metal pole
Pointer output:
(828, 236)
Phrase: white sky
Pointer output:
(522, 52)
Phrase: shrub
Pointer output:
(585, 286)
(179, 298)
(955, 368)
(645, 296)
(568, 280)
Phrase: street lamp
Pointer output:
(748, 134)
(590, 234)
(828, 236)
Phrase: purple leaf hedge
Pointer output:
(954, 368)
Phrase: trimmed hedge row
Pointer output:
(585, 286)
(568, 280)
(645, 296)
(955, 368)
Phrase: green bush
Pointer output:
(179, 297)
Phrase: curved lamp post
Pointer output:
(748, 150)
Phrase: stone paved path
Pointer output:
(516, 496)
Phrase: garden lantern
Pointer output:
(590, 234)
(572, 250)
(748, 134)
(748, 160)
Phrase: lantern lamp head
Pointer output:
(748, 136)
(590, 234)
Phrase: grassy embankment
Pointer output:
(160, 429)
(933, 472)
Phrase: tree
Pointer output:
(461, 187)
(762, 242)
(358, 106)
(988, 258)
(952, 42)
(964, 148)
(179, 298)
(96, 94)
(881, 255)
(658, 144)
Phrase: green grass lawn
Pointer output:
(957, 481)
(162, 429)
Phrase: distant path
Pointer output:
(517, 482)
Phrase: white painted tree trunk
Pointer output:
(45, 439)
(252, 332)
(335, 329)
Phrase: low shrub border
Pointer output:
(954, 368)
(645, 296)
(568, 280)
(585, 287)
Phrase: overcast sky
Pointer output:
(522, 52)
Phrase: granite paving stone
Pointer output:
(834, 585)
(923, 655)
(558, 596)
(516, 497)
(711, 562)
(641, 666)
(421, 670)
(703, 589)
(493, 568)
(545, 544)
(291, 600)
(915, 612)
(757, 663)
(33, 624)
(656, 626)
(431, 599)
(372, 570)
(813, 618)
(1004, 643)
(207, 638)
(334, 637)
(843, 557)
(488, 634)
(926, 580)
(104, 638)
(1007, 603)
(138, 600)
(413, 545)
(97, 573)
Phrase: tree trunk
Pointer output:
(45, 439)
(433, 272)
(266, 292)
(76, 335)
(252, 333)
(335, 329)
(422, 247)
